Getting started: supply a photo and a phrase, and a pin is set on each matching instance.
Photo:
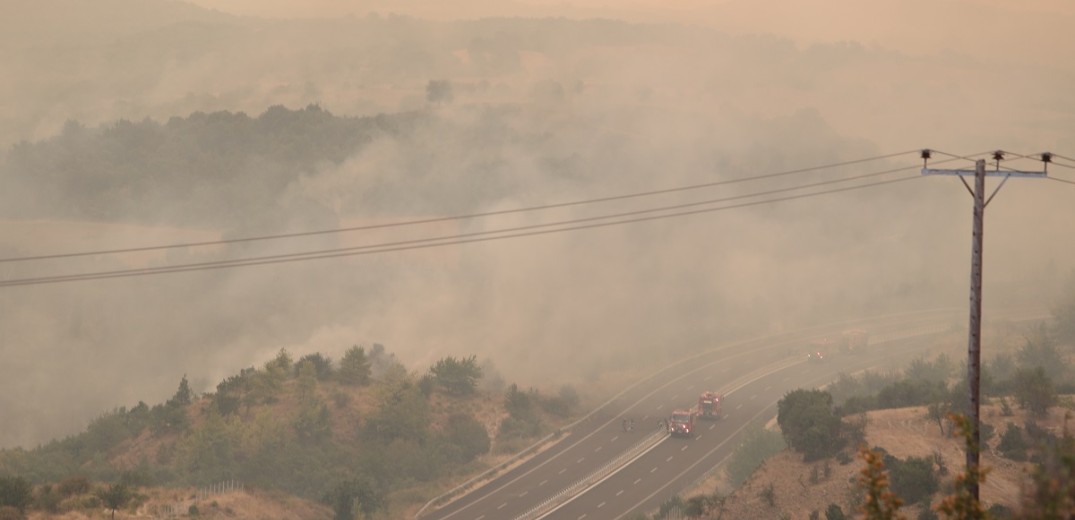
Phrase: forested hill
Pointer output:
(314, 427)
(204, 169)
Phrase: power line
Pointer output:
(458, 217)
(483, 236)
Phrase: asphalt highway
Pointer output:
(753, 375)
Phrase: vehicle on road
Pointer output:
(855, 339)
(816, 356)
(709, 405)
(681, 424)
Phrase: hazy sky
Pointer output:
(542, 113)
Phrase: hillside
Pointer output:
(291, 439)
(800, 488)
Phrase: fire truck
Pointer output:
(709, 405)
(681, 424)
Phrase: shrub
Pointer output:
(833, 512)
(1012, 445)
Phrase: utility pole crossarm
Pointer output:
(970, 173)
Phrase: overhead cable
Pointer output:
(457, 217)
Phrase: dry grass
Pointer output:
(903, 433)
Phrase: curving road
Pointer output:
(753, 375)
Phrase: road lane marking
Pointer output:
(580, 460)
(684, 448)
(614, 438)
(620, 492)
(523, 494)
(740, 406)
(711, 426)
(502, 506)
(543, 482)
(654, 469)
(637, 480)
(583, 515)
(480, 517)
(669, 459)
(562, 471)
(602, 504)
(598, 449)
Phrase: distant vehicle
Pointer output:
(855, 339)
(681, 424)
(816, 356)
(709, 405)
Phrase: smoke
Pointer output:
(541, 111)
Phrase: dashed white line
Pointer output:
(502, 506)
(711, 426)
(740, 406)
(562, 471)
(602, 504)
(654, 469)
(543, 482)
(583, 515)
(614, 438)
(637, 480)
(480, 517)
(580, 460)
(620, 492)
(684, 448)
(598, 449)
(523, 494)
(669, 459)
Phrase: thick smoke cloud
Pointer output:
(540, 111)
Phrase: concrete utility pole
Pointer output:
(974, 343)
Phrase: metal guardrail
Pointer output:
(596, 476)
